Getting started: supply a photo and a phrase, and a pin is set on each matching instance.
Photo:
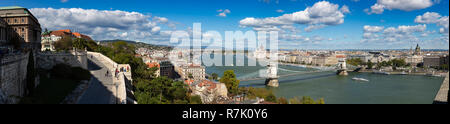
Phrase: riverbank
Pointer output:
(407, 73)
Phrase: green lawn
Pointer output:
(51, 91)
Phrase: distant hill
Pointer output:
(139, 44)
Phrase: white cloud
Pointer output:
(321, 13)
(223, 13)
(345, 9)
(280, 10)
(400, 34)
(64, 1)
(314, 27)
(101, 24)
(405, 5)
(434, 18)
(373, 29)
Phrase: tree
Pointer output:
(370, 65)
(80, 43)
(64, 44)
(229, 79)
(190, 76)
(195, 100)
(214, 76)
(282, 100)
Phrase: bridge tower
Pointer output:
(342, 65)
(272, 76)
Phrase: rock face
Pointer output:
(272, 82)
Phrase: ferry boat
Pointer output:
(381, 72)
(360, 79)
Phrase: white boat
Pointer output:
(381, 72)
(360, 79)
(404, 73)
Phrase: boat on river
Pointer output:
(360, 79)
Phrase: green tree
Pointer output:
(282, 100)
(195, 100)
(214, 76)
(80, 43)
(64, 44)
(370, 65)
(229, 79)
(190, 76)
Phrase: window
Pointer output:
(15, 20)
(23, 29)
(23, 20)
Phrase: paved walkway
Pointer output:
(442, 96)
(101, 87)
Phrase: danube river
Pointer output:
(381, 89)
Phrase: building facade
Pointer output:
(197, 72)
(24, 24)
(432, 61)
(50, 38)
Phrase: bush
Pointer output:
(195, 100)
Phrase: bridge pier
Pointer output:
(342, 72)
(272, 82)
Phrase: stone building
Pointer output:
(209, 91)
(3, 29)
(432, 61)
(22, 21)
(197, 72)
(435, 61)
(417, 51)
(50, 38)
(166, 69)
(325, 60)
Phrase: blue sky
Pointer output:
(181, 14)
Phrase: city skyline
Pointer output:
(303, 24)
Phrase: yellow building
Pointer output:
(22, 21)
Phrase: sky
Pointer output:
(301, 24)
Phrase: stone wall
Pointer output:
(46, 60)
(13, 73)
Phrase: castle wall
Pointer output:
(13, 72)
(47, 60)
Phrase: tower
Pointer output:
(342, 65)
(272, 76)
(417, 51)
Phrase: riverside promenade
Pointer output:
(442, 96)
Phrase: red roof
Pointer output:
(65, 30)
(188, 82)
(60, 33)
(340, 56)
(154, 64)
(210, 85)
(76, 34)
